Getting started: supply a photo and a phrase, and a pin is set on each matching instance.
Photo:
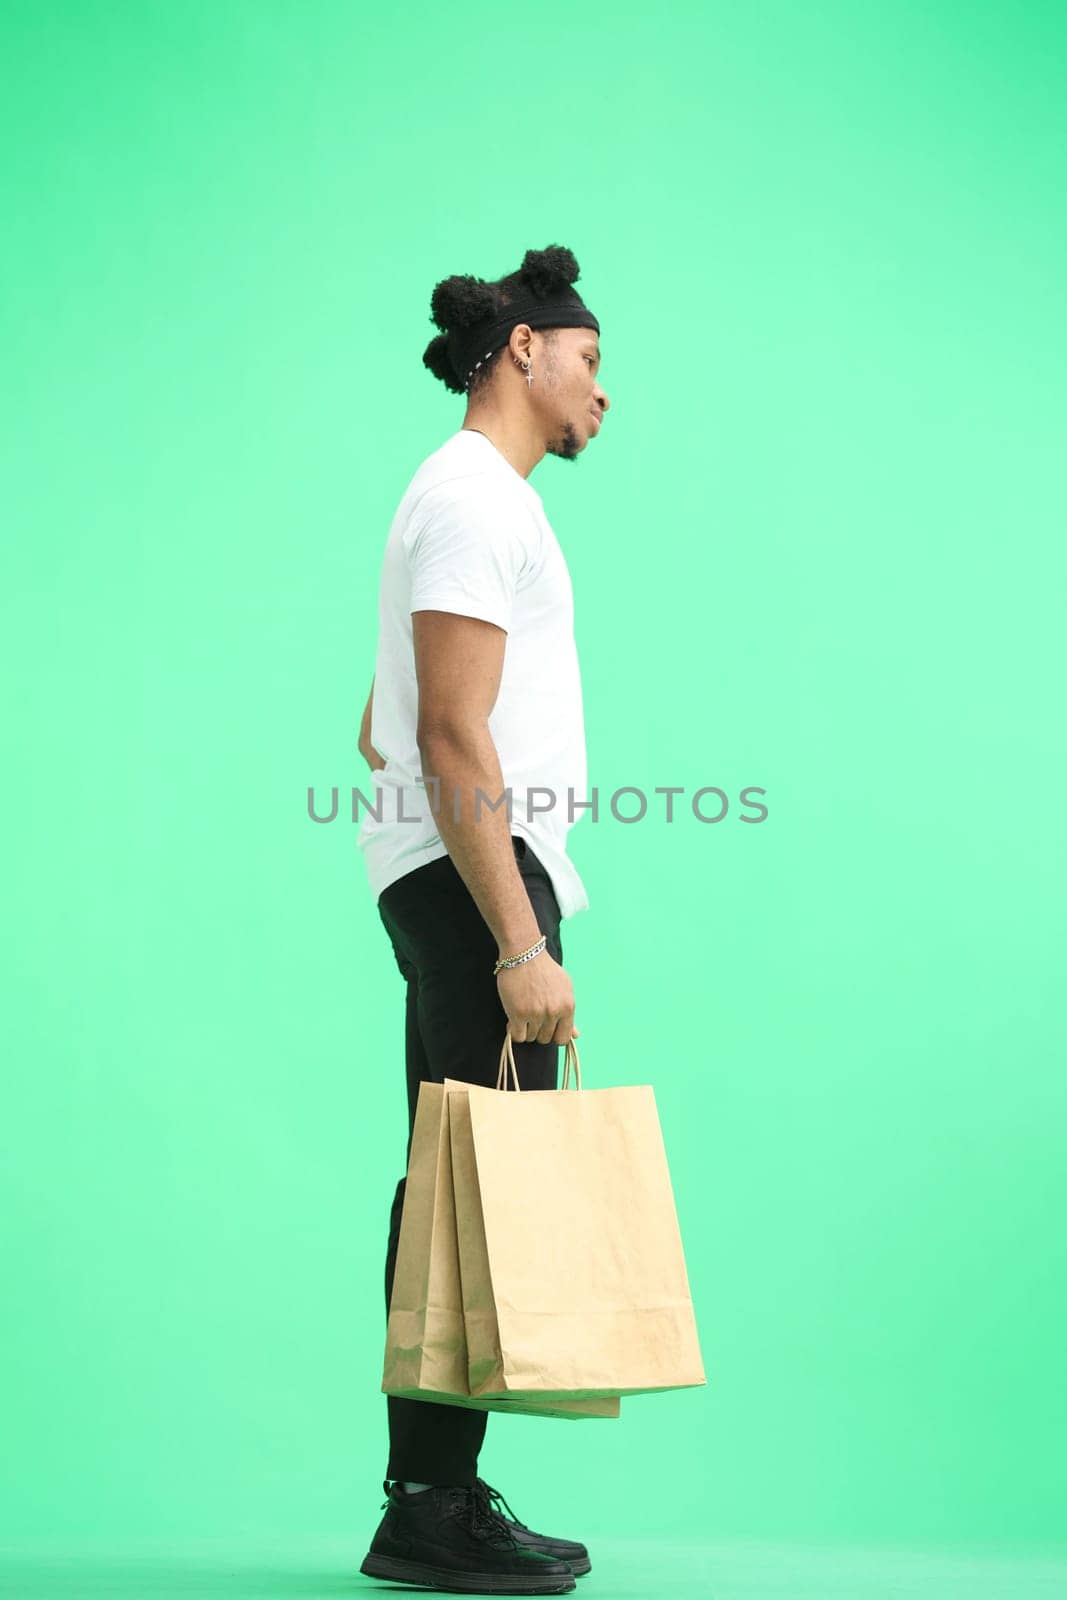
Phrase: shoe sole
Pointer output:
(398, 1571)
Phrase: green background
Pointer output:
(817, 548)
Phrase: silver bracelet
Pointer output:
(527, 955)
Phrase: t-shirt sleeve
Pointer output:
(468, 547)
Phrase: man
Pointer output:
(475, 732)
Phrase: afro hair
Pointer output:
(459, 302)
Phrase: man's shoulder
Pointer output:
(452, 461)
(465, 467)
(447, 486)
(450, 490)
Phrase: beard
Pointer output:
(566, 443)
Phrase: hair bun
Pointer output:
(460, 302)
(547, 271)
(439, 362)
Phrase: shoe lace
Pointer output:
(472, 1507)
(487, 1494)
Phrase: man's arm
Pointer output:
(366, 749)
(458, 664)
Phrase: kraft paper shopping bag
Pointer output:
(573, 1274)
(426, 1353)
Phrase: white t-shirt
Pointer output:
(470, 536)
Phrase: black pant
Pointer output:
(455, 1027)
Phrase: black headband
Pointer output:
(465, 345)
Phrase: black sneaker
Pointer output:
(449, 1538)
(569, 1550)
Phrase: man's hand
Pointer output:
(459, 661)
(366, 749)
(539, 1000)
(370, 756)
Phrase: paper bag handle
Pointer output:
(507, 1060)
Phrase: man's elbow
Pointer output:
(450, 733)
